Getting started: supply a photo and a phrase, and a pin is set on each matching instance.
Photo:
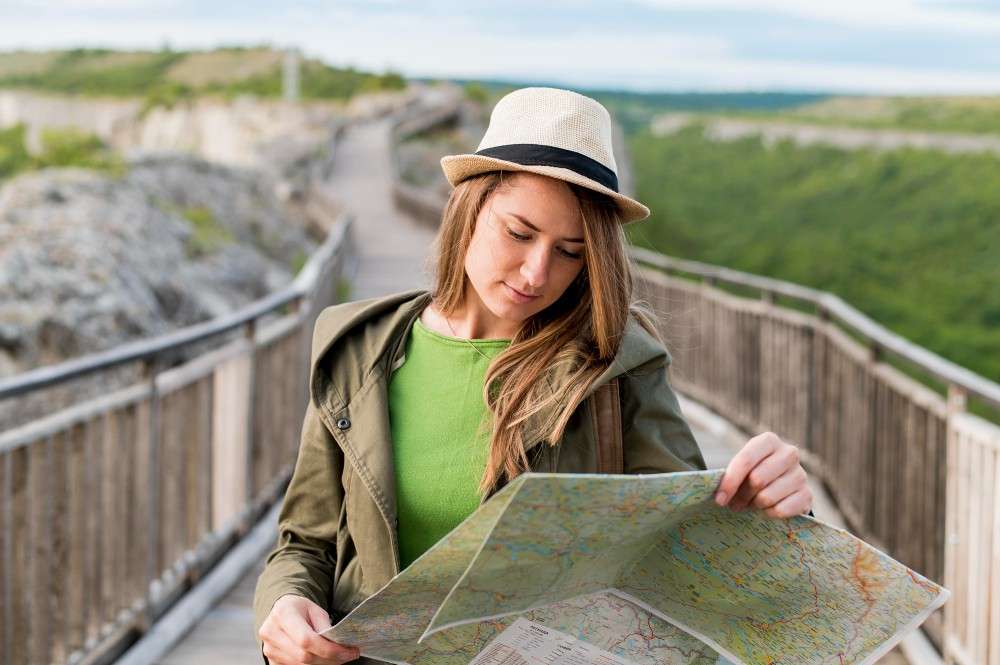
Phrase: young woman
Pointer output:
(424, 403)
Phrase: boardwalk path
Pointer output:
(393, 252)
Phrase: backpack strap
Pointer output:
(607, 419)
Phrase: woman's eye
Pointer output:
(518, 236)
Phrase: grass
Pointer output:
(344, 289)
(62, 147)
(207, 234)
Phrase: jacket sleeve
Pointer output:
(304, 559)
(655, 436)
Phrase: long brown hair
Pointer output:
(579, 333)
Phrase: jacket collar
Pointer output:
(380, 345)
(355, 347)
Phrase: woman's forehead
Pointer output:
(547, 203)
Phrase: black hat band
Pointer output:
(533, 154)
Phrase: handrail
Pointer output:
(832, 306)
(145, 349)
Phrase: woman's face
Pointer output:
(527, 247)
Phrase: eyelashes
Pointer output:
(522, 238)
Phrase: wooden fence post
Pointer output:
(251, 336)
(150, 370)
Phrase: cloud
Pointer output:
(885, 14)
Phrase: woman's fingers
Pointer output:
(316, 650)
(293, 638)
(304, 638)
(755, 450)
(795, 504)
(766, 473)
(783, 459)
(280, 650)
(318, 618)
(785, 485)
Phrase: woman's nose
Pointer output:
(536, 267)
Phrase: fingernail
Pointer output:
(720, 498)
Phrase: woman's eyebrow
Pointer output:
(535, 228)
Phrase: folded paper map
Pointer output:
(577, 569)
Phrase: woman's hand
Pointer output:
(290, 634)
(766, 474)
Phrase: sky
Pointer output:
(841, 46)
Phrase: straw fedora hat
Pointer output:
(558, 133)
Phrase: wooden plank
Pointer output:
(937, 501)
(6, 557)
(129, 558)
(260, 432)
(92, 547)
(994, 599)
(915, 521)
(951, 542)
(59, 532)
(110, 522)
(785, 404)
(171, 509)
(139, 507)
(192, 460)
(822, 446)
(850, 438)
(37, 545)
(806, 377)
(975, 548)
(20, 584)
(229, 439)
(988, 499)
(893, 491)
(880, 486)
(204, 412)
(962, 586)
(76, 594)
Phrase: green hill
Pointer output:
(166, 75)
(910, 237)
(634, 110)
(972, 115)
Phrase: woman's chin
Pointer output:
(504, 308)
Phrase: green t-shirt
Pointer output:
(435, 405)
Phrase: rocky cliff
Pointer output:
(88, 261)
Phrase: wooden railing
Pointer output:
(114, 507)
(911, 470)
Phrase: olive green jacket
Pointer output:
(337, 526)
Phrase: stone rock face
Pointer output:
(88, 261)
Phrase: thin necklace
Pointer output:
(467, 340)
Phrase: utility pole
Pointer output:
(290, 75)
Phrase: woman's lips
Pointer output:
(516, 295)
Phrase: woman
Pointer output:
(425, 403)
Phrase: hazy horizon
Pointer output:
(892, 47)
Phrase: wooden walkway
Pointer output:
(393, 251)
